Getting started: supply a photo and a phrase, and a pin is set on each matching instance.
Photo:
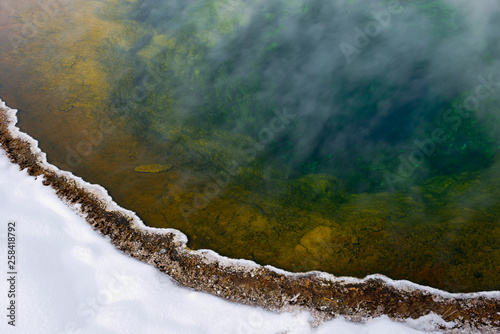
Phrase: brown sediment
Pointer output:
(323, 295)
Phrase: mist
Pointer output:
(364, 80)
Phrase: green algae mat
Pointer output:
(352, 137)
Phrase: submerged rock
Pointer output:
(154, 168)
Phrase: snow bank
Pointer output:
(72, 280)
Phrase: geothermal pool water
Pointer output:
(342, 136)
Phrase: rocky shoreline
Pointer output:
(321, 294)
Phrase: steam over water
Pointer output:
(353, 137)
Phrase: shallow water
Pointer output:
(267, 143)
